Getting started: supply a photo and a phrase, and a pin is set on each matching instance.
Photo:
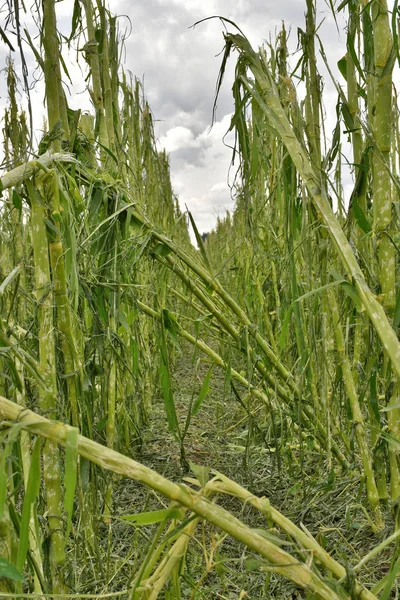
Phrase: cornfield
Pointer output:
(219, 421)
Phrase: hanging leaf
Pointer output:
(161, 250)
(359, 216)
(8, 571)
(52, 229)
(171, 325)
(31, 494)
(9, 279)
(396, 316)
(320, 289)
(373, 397)
(155, 516)
(166, 387)
(352, 293)
(70, 477)
(285, 327)
(342, 65)
(16, 200)
(201, 473)
(76, 19)
(203, 392)
(391, 577)
(134, 357)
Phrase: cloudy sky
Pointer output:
(179, 66)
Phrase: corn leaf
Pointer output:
(166, 387)
(391, 576)
(154, 516)
(31, 493)
(8, 571)
(205, 388)
(9, 279)
(70, 477)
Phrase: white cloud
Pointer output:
(218, 187)
(180, 67)
(177, 138)
(199, 167)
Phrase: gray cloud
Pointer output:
(179, 66)
(180, 69)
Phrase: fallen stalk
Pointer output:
(16, 176)
(281, 561)
(223, 484)
(307, 412)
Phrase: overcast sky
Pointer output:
(179, 66)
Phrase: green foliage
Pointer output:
(305, 355)
(9, 571)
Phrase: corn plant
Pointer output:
(293, 297)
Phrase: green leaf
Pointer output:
(134, 357)
(9, 571)
(51, 228)
(274, 539)
(351, 39)
(320, 289)
(391, 576)
(16, 200)
(31, 494)
(331, 480)
(170, 324)
(359, 216)
(285, 327)
(10, 277)
(108, 151)
(228, 372)
(111, 217)
(396, 316)
(3, 479)
(352, 293)
(348, 119)
(70, 478)
(76, 19)
(203, 392)
(388, 68)
(155, 516)
(14, 374)
(253, 564)
(391, 440)
(342, 5)
(389, 407)
(6, 40)
(37, 55)
(201, 473)
(55, 134)
(166, 387)
(342, 65)
(11, 438)
(123, 319)
(373, 397)
(161, 250)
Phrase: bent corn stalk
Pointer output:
(18, 175)
(320, 432)
(270, 104)
(280, 561)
